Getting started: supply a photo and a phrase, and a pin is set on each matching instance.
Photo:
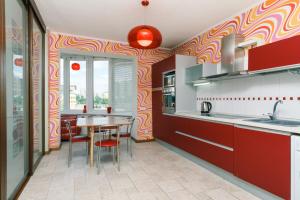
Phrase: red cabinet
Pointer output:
(160, 67)
(209, 141)
(276, 54)
(156, 113)
(263, 159)
(159, 121)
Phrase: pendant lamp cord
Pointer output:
(145, 12)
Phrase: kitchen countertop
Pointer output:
(239, 121)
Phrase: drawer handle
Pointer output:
(205, 141)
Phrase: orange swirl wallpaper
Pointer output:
(145, 59)
(270, 21)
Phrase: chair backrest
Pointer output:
(110, 128)
(130, 126)
(69, 128)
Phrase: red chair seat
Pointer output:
(122, 135)
(107, 143)
(80, 138)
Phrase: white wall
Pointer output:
(284, 85)
(185, 94)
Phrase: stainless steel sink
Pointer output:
(225, 116)
(288, 123)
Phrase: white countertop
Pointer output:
(239, 122)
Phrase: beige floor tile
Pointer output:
(61, 194)
(181, 195)
(154, 172)
(170, 186)
(244, 195)
(220, 194)
(202, 196)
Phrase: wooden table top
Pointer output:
(93, 121)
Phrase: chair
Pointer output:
(108, 143)
(127, 134)
(76, 139)
(64, 131)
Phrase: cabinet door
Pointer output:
(276, 54)
(188, 136)
(263, 159)
(160, 67)
(157, 113)
(156, 75)
(222, 134)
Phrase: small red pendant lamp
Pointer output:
(19, 62)
(144, 36)
(75, 66)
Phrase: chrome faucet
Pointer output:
(273, 116)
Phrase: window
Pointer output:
(99, 83)
(61, 84)
(77, 86)
(101, 88)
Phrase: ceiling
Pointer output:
(178, 20)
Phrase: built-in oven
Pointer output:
(169, 79)
(169, 92)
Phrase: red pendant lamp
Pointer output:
(19, 62)
(144, 36)
(75, 66)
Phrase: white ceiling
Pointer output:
(178, 20)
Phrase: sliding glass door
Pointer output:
(21, 91)
(36, 86)
(16, 80)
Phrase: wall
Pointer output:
(145, 59)
(254, 95)
(270, 21)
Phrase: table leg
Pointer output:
(92, 147)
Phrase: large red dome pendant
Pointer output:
(144, 37)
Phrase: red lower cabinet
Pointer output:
(209, 141)
(263, 159)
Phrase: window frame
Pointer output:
(89, 82)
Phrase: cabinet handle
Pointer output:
(205, 141)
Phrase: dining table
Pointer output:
(91, 122)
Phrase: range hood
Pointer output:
(234, 59)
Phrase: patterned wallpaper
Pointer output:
(270, 21)
(145, 59)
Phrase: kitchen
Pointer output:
(147, 99)
(239, 117)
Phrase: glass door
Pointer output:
(36, 79)
(16, 76)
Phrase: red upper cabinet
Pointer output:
(263, 159)
(159, 68)
(276, 54)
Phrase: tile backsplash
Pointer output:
(254, 95)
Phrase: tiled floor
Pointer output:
(154, 173)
